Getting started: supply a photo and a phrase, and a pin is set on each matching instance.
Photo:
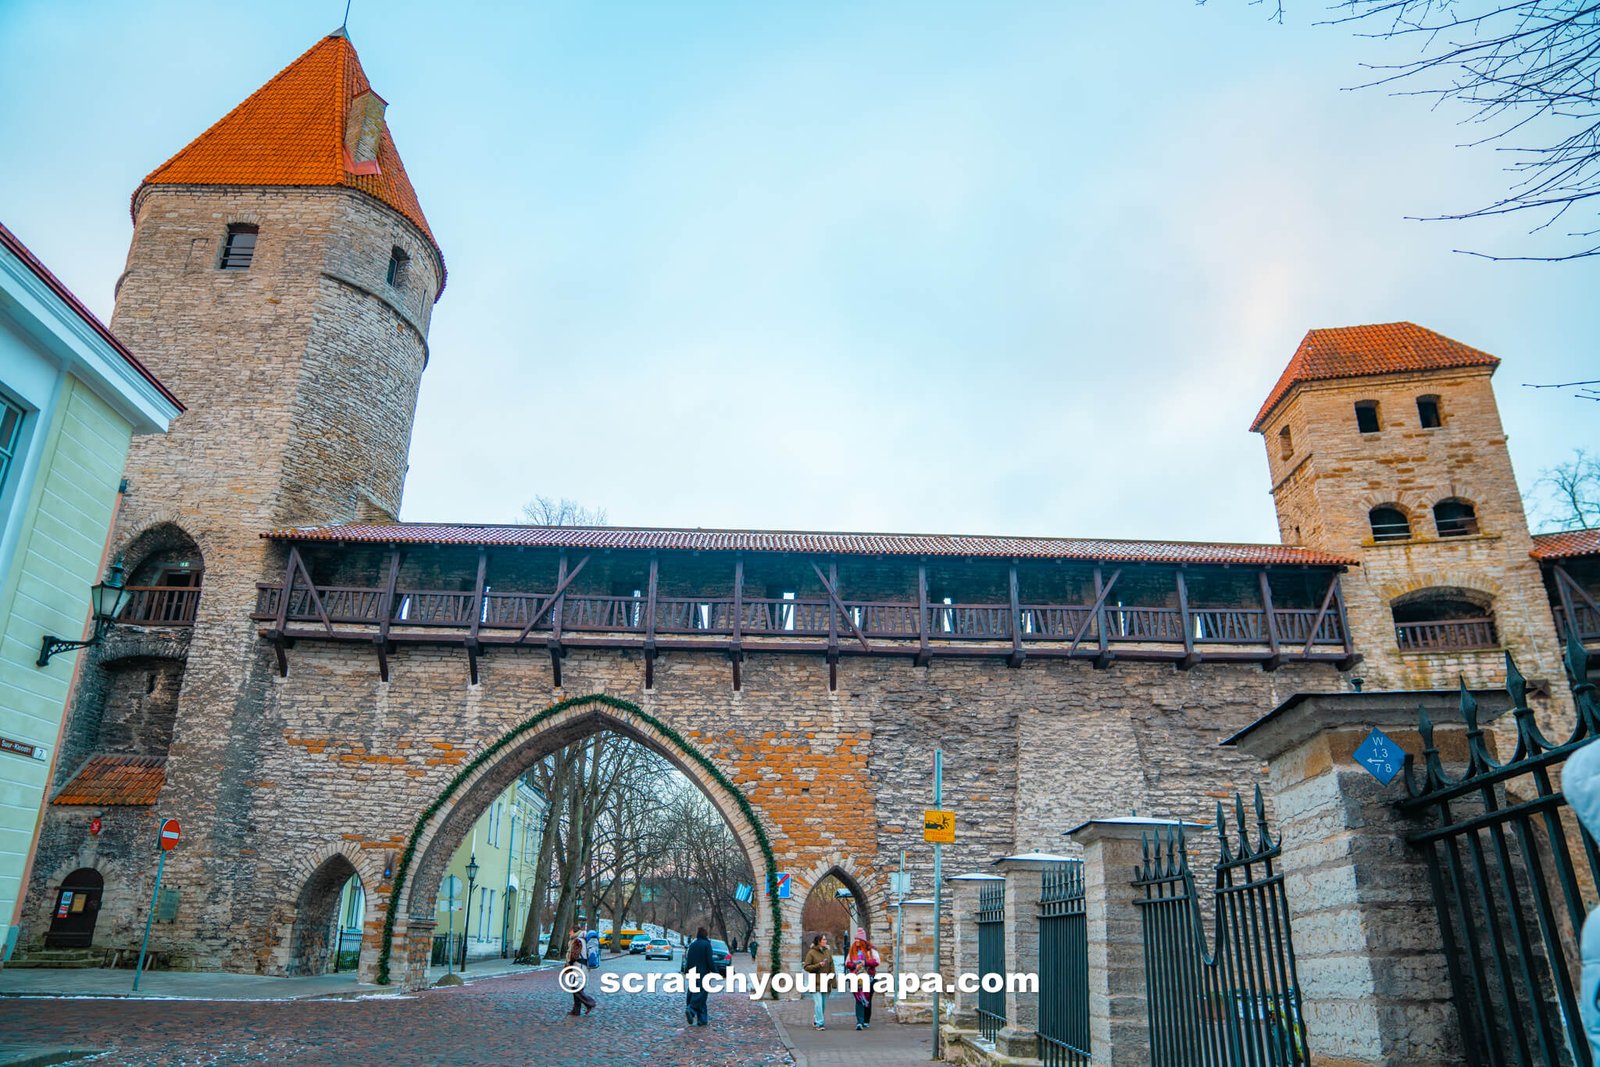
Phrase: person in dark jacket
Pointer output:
(697, 961)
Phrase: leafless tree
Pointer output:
(1567, 496)
(543, 511)
(1528, 75)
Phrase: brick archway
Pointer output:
(409, 917)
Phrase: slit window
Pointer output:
(1455, 518)
(1367, 416)
(239, 247)
(1285, 443)
(1389, 524)
(1428, 412)
(398, 262)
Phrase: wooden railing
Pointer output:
(160, 605)
(1450, 635)
(811, 617)
(1585, 618)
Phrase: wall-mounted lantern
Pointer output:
(108, 598)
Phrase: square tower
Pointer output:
(1384, 443)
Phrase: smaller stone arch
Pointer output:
(869, 905)
(165, 568)
(1390, 521)
(309, 943)
(74, 908)
(1455, 516)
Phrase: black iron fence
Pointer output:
(1234, 1002)
(1513, 874)
(1063, 1032)
(991, 958)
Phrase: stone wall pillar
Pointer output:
(914, 924)
(1024, 877)
(1119, 1026)
(1373, 978)
(964, 890)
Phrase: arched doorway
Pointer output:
(77, 906)
(410, 921)
(837, 907)
(320, 917)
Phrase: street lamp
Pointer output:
(472, 880)
(107, 599)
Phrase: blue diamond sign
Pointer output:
(1380, 756)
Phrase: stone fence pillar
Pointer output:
(914, 928)
(1024, 877)
(1119, 1025)
(964, 890)
(1373, 977)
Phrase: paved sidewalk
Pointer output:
(212, 985)
(887, 1044)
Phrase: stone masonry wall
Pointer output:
(339, 761)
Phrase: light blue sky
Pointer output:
(1000, 267)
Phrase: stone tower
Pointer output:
(1384, 443)
(280, 279)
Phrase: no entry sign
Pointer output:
(169, 835)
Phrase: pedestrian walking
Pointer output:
(577, 956)
(697, 962)
(863, 958)
(819, 962)
(752, 947)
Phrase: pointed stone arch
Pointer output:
(408, 913)
(321, 876)
(873, 901)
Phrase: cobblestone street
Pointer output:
(517, 1019)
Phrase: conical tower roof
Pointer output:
(295, 131)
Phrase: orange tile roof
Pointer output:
(291, 131)
(1566, 544)
(805, 541)
(1358, 351)
(116, 780)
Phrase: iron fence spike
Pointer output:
(1243, 825)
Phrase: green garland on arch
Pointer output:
(618, 704)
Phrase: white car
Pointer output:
(659, 948)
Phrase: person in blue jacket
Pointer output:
(1580, 781)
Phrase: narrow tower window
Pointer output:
(1455, 518)
(1389, 524)
(1285, 443)
(398, 261)
(1367, 416)
(1428, 412)
(239, 247)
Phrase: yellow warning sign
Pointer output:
(939, 827)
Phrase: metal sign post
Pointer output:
(899, 924)
(938, 890)
(167, 839)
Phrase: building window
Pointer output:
(10, 438)
(1443, 620)
(1285, 443)
(239, 247)
(1428, 412)
(1389, 524)
(1454, 518)
(398, 261)
(1367, 416)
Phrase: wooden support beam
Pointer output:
(386, 608)
(559, 601)
(472, 662)
(316, 601)
(1096, 613)
(838, 606)
(1350, 658)
(923, 655)
(650, 624)
(479, 591)
(1190, 656)
(736, 648)
(1565, 581)
(1322, 613)
(555, 598)
(1272, 662)
(1017, 655)
(282, 622)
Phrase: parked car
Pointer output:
(658, 948)
(638, 944)
(721, 958)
